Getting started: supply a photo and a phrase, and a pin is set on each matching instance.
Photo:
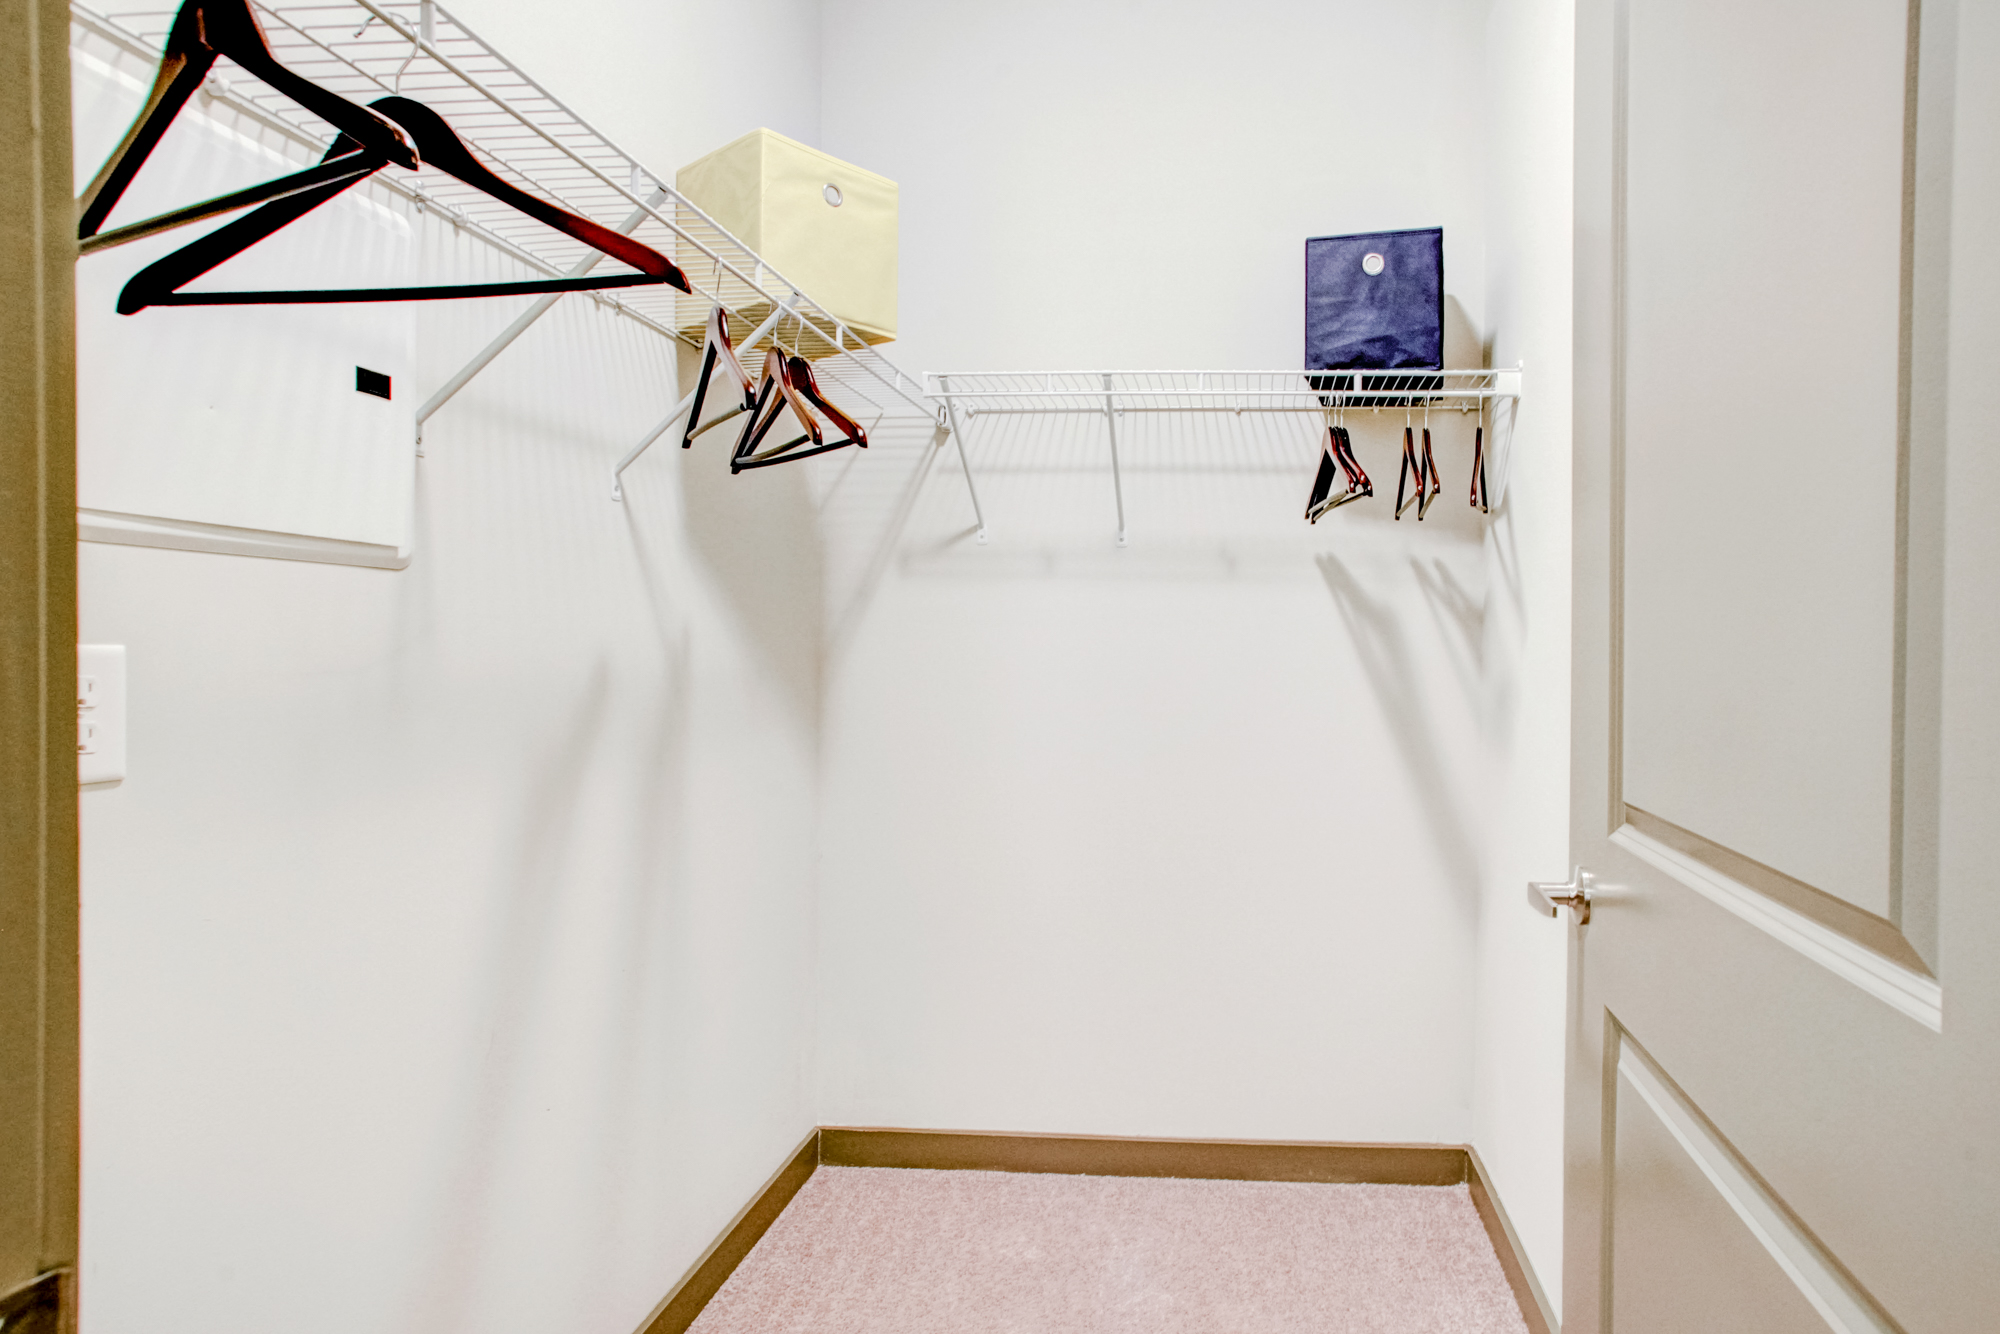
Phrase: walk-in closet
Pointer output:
(866, 667)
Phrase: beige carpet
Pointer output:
(864, 1250)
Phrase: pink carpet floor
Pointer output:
(865, 1250)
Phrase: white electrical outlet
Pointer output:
(100, 714)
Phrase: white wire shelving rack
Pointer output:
(966, 395)
(365, 49)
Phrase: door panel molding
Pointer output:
(1864, 928)
(1820, 1278)
(1906, 938)
(1914, 993)
(1899, 707)
(1929, 139)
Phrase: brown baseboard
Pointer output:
(1096, 1155)
(684, 1303)
(1528, 1293)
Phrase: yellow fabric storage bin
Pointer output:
(778, 197)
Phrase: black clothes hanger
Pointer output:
(204, 31)
(794, 386)
(1338, 448)
(159, 284)
(1431, 471)
(1479, 469)
(716, 348)
(1316, 503)
(1410, 465)
(1422, 466)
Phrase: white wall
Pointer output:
(1522, 958)
(1185, 838)
(447, 951)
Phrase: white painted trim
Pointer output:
(139, 530)
(1918, 996)
(1818, 1278)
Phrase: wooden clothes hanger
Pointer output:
(792, 380)
(159, 283)
(1479, 501)
(1422, 466)
(203, 32)
(1430, 467)
(808, 387)
(1338, 448)
(717, 349)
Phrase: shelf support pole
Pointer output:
(958, 439)
(526, 317)
(1117, 482)
(680, 411)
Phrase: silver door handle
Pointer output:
(1573, 893)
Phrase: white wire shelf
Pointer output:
(967, 395)
(979, 393)
(365, 49)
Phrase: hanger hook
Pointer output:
(415, 50)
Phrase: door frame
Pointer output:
(38, 793)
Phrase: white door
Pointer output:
(1784, 1070)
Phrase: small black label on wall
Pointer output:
(371, 382)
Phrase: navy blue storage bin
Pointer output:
(1375, 301)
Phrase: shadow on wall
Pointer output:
(1382, 645)
(650, 911)
(1207, 496)
(542, 904)
(865, 510)
(1462, 348)
(1460, 618)
(757, 534)
(517, 970)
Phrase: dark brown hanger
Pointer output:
(1409, 465)
(1479, 469)
(789, 383)
(1337, 449)
(808, 387)
(203, 32)
(1431, 471)
(1421, 466)
(159, 284)
(717, 349)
